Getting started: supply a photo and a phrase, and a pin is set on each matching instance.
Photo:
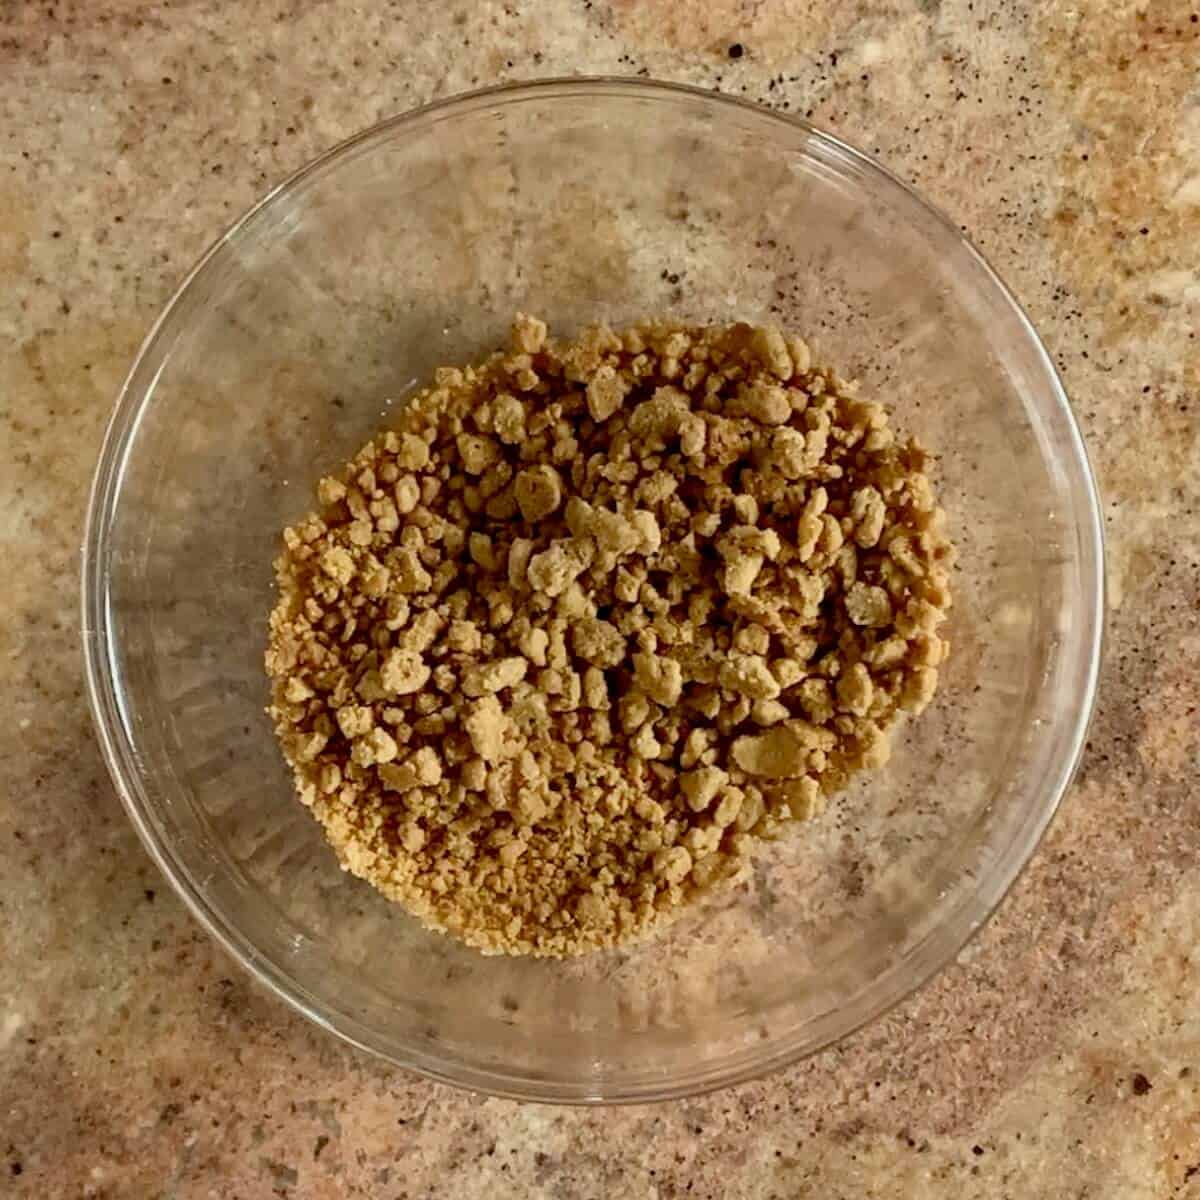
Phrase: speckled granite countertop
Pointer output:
(1059, 1057)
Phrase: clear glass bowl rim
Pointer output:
(919, 966)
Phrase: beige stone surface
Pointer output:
(1059, 1057)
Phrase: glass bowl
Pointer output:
(412, 245)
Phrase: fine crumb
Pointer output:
(595, 618)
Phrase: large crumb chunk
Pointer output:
(702, 786)
(489, 729)
(539, 492)
(870, 606)
(606, 391)
(494, 676)
(780, 753)
(403, 672)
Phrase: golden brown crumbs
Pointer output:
(595, 617)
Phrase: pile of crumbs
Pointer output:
(595, 618)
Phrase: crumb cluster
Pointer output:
(593, 618)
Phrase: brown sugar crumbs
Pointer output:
(594, 618)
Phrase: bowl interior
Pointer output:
(412, 247)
